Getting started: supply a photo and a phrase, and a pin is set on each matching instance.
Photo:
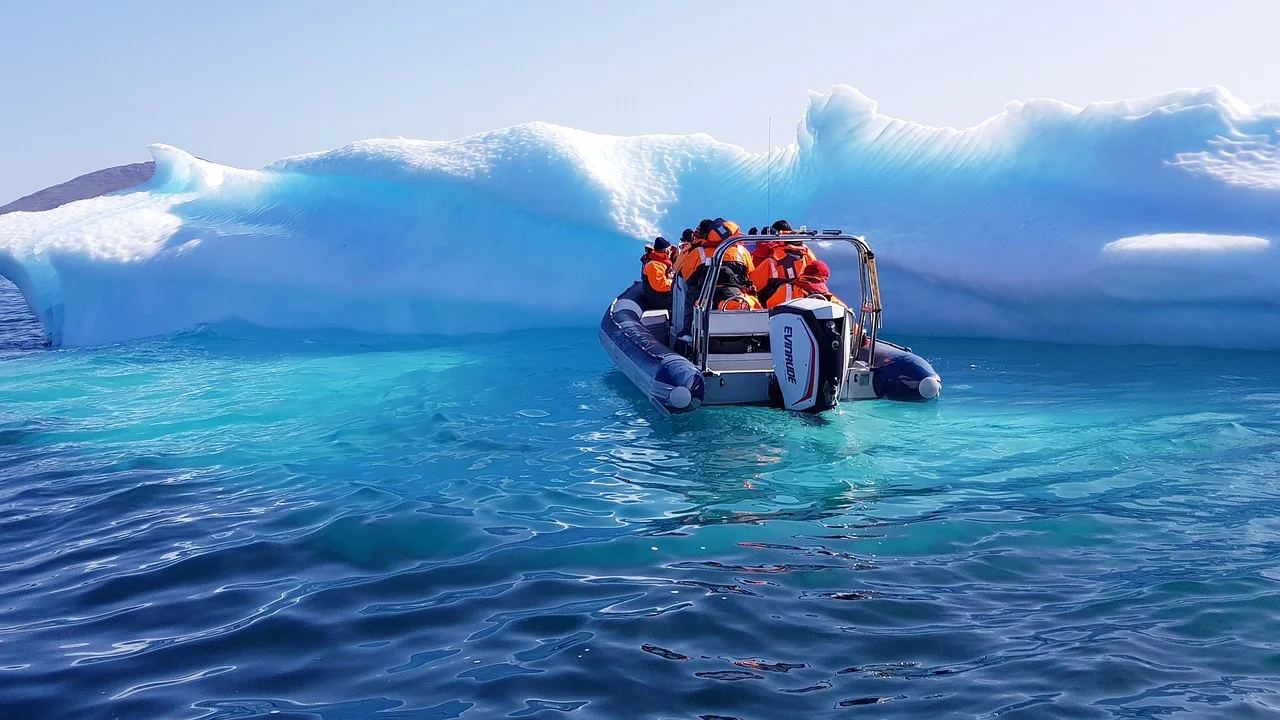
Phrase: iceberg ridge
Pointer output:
(1151, 220)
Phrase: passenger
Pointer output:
(734, 298)
(688, 257)
(785, 263)
(686, 241)
(656, 274)
(705, 240)
(762, 250)
(811, 283)
(733, 289)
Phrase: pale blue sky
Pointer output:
(88, 85)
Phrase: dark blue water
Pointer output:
(232, 523)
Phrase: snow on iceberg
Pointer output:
(1142, 221)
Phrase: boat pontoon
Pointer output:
(807, 355)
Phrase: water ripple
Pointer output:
(232, 523)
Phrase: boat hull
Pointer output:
(636, 342)
(672, 384)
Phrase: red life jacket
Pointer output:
(651, 255)
(763, 250)
(785, 264)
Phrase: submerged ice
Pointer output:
(1143, 221)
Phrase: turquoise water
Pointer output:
(234, 523)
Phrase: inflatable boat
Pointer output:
(806, 355)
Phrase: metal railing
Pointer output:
(868, 309)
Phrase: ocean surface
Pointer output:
(236, 523)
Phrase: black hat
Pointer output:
(687, 235)
(705, 226)
(661, 244)
(782, 226)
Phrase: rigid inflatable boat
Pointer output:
(805, 355)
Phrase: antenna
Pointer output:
(769, 183)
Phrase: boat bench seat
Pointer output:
(657, 322)
(654, 317)
(738, 324)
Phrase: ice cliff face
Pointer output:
(1149, 221)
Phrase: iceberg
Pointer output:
(1152, 221)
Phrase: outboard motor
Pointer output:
(809, 339)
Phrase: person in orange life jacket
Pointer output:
(732, 297)
(687, 260)
(686, 241)
(782, 227)
(706, 239)
(656, 274)
(762, 250)
(733, 289)
(784, 262)
(812, 282)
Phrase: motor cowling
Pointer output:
(809, 339)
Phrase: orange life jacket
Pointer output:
(656, 274)
(736, 299)
(801, 288)
(700, 253)
(786, 293)
(725, 229)
(703, 248)
(784, 264)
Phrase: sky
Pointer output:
(86, 85)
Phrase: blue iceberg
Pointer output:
(1142, 221)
